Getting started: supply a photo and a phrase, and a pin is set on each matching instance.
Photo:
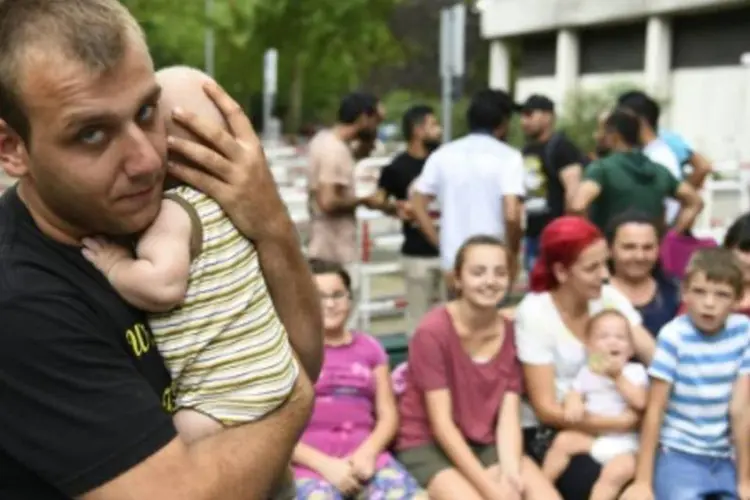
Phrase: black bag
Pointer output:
(540, 442)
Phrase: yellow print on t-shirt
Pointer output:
(167, 399)
(139, 339)
(535, 181)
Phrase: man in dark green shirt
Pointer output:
(627, 179)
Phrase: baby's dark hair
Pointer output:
(593, 320)
(319, 266)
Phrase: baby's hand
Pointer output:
(104, 254)
(573, 411)
(613, 367)
(597, 362)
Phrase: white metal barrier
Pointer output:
(724, 199)
(376, 232)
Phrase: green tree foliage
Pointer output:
(326, 47)
(580, 116)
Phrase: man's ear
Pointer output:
(13, 154)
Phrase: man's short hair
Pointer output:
(642, 105)
(356, 104)
(718, 265)
(626, 124)
(92, 32)
(413, 118)
(488, 110)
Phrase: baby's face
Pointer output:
(610, 337)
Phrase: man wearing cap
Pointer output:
(553, 170)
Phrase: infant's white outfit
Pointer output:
(601, 397)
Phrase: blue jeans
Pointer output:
(530, 252)
(683, 476)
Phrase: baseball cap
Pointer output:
(537, 102)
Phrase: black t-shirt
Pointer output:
(545, 199)
(84, 393)
(395, 180)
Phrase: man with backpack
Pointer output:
(553, 167)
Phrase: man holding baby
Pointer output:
(85, 394)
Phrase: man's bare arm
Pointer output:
(332, 200)
(513, 215)
(381, 201)
(691, 205)
(702, 168)
(570, 177)
(419, 202)
(241, 463)
(292, 289)
(587, 192)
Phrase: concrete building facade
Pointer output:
(686, 52)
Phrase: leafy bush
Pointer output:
(580, 114)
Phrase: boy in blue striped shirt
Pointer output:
(696, 419)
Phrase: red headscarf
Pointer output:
(562, 241)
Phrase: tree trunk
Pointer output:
(296, 88)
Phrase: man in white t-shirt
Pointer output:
(478, 181)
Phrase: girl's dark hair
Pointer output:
(480, 239)
(634, 217)
(319, 266)
(738, 234)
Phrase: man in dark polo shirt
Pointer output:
(85, 396)
(422, 274)
(553, 170)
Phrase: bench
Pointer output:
(396, 345)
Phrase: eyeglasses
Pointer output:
(336, 296)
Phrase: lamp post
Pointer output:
(209, 43)
(452, 55)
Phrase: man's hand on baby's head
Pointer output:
(233, 164)
(104, 254)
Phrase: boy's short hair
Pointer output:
(718, 265)
(593, 320)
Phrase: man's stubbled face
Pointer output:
(96, 159)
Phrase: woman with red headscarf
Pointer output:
(567, 289)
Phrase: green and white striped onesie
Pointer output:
(225, 346)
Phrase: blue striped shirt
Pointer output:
(702, 370)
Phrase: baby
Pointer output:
(607, 386)
(211, 314)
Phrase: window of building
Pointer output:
(612, 49)
(538, 55)
(710, 38)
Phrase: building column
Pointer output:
(567, 64)
(499, 65)
(658, 58)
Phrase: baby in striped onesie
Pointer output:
(211, 314)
